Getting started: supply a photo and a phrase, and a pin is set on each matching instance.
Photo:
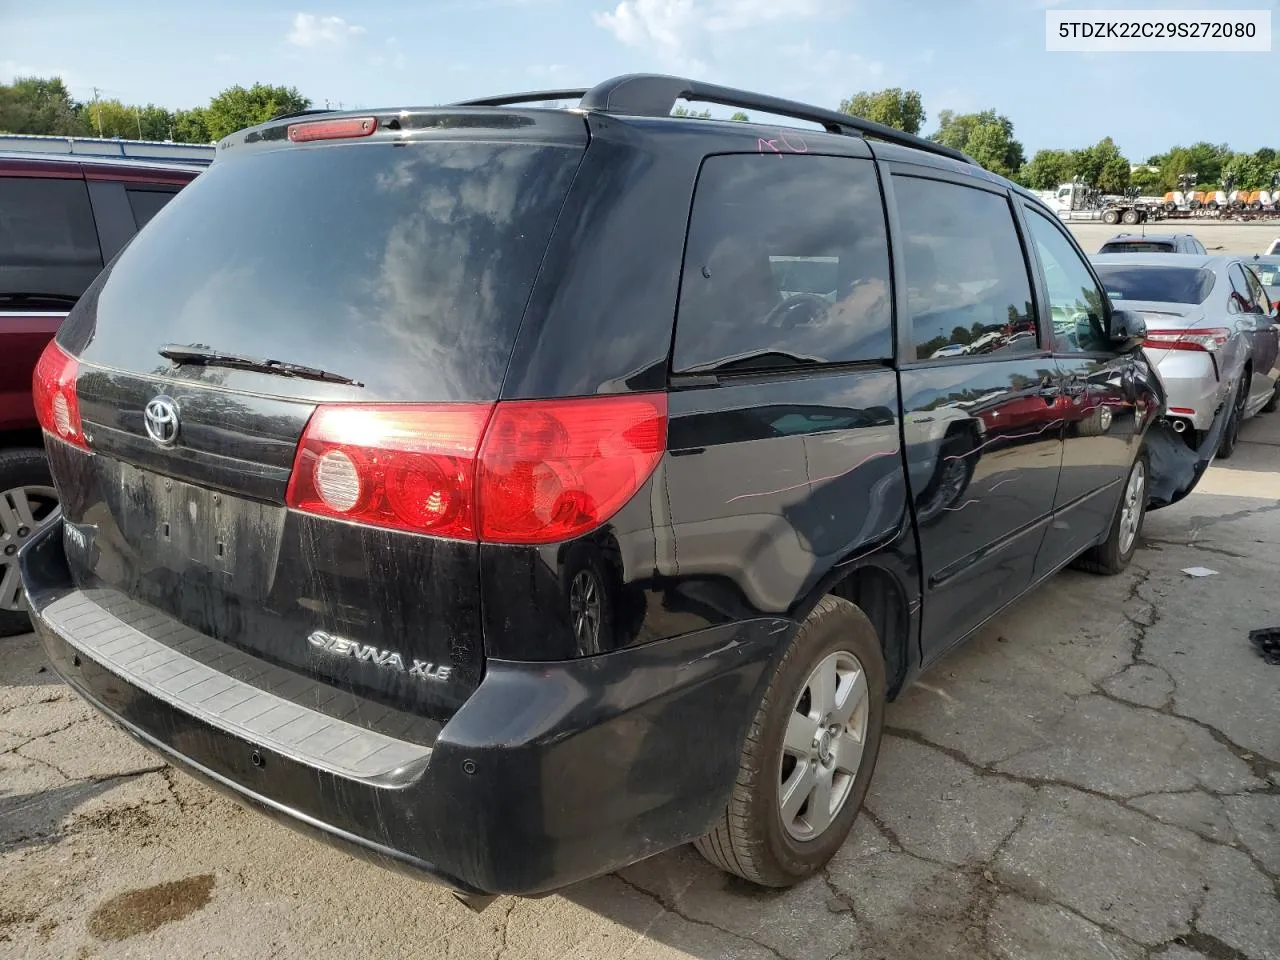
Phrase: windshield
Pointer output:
(405, 267)
(1162, 284)
(1138, 246)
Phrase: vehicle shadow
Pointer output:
(39, 818)
(25, 664)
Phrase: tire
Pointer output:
(25, 471)
(752, 839)
(1110, 216)
(1112, 556)
(1130, 216)
(1231, 434)
(1097, 423)
(1274, 402)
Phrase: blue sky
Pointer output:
(960, 55)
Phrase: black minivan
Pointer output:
(512, 493)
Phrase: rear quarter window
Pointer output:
(48, 243)
(787, 263)
(146, 203)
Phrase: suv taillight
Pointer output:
(53, 388)
(529, 471)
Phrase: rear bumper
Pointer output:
(549, 774)
(1192, 382)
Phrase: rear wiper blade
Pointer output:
(204, 357)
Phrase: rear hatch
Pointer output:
(388, 270)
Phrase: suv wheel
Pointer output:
(27, 502)
(1112, 556)
(809, 755)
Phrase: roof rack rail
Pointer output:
(301, 113)
(533, 96)
(654, 95)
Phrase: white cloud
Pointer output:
(664, 26)
(726, 15)
(676, 29)
(310, 30)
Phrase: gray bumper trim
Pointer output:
(241, 709)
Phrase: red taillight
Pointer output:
(530, 471)
(53, 388)
(552, 470)
(1208, 339)
(343, 129)
(391, 465)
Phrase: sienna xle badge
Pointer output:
(516, 493)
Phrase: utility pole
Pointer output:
(138, 113)
(97, 113)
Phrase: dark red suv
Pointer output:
(61, 219)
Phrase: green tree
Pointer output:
(954, 129)
(238, 107)
(1047, 169)
(111, 118)
(893, 107)
(739, 115)
(39, 105)
(191, 126)
(1175, 164)
(1203, 159)
(1249, 172)
(986, 136)
(1102, 166)
(1147, 181)
(1114, 175)
(683, 111)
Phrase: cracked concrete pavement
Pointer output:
(1095, 775)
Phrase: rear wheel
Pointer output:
(1274, 401)
(1231, 433)
(1112, 556)
(809, 755)
(1110, 216)
(27, 502)
(1130, 216)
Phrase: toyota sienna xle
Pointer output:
(514, 493)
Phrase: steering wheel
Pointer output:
(784, 313)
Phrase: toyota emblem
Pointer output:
(161, 419)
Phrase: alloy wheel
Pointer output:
(823, 745)
(1131, 509)
(23, 511)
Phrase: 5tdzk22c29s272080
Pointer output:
(550, 488)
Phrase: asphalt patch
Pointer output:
(141, 911)
(1268, 644)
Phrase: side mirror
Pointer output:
(1128, 329)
